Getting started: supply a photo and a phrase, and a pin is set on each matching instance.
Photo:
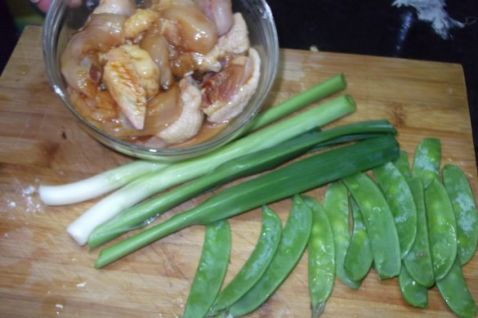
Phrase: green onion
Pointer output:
(115, 178)
(146, 186)
(250, 164)
(295, 178)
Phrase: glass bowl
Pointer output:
(62, 21)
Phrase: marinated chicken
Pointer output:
(234, 42)
(191, 118)
(119, 7)
(229, 91)
(131, 76)
(161, 75)
(139, 22)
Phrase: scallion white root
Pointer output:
(97, 185)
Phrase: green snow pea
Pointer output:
(426, 163)
(419, 260)
(441, 228)
(256, 264)
(454, 291)
(336, 205)
(413, 293)
(379, 223)
(321, 258)
(466, 214)
(359, 258)
(295, 237)
(403, 165)
(400, 200)
(211, 270)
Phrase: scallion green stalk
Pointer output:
(297, 102)
(146, 186)
(295, 178)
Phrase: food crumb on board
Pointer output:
(11, 204)
(314, 48)
(26, 200)
(28, 190)
(58, 309)
(33, 204)
(81, 285)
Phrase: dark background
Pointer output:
(374, 27)
(371, 27)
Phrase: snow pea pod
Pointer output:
(359, 258)
(419, 260)
(256, 264)
(321, 258)
(379, 223)
(294, 239)
(403, 165)
(413, 293)
(336, 205)
(211, 270)
(401, 203)
(466, 214)
(455, 292)
(426, 162)
(441, 228)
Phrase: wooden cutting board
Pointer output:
(43, 273)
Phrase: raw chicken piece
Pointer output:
(158, 48)
(101, 108)
(131, 77)
(145, 67)
(236, 41)
(229, 91)
(139, 22)
(79, 61)
(161, 5)
(187, 27)
(102, 111)
(183, 65)
(119, 7)
(191, 118)
(218, 11)
(163, 110)
(81, 73)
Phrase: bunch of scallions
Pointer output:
(139, 190)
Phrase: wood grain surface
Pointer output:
(43, 273)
